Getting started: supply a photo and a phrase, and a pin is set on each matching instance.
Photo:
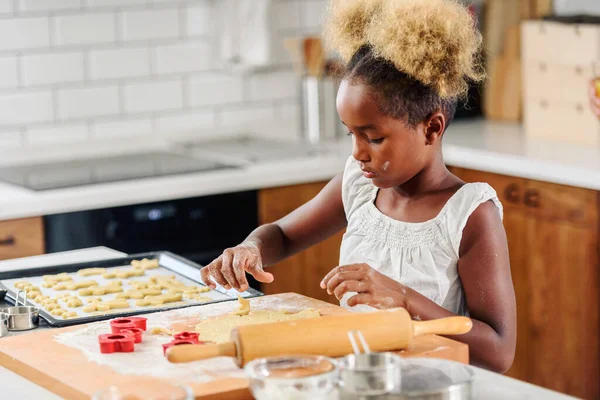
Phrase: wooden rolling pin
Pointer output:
(385, 330)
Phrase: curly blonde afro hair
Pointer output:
(434, 42)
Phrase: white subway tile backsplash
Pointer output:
(200, 19)
(47, 5)
(248, 120)
(118, 128)
(189, 121)
(8, 72)
(6, 6)
(52, 68)
(273, 86)
(134, 67)
(26, 108)
(286, 15)
(215, 88)
(24, 33)
(10, 139)
(119, 63)
(88, 102)
(153, 96)
(313, 13)
(150, 24)
(182, 57)
(114, 3)
(57, 134)
(85, 28)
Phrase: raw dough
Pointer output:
(74, 286)
(74, 302)
(158, 300)
(94, 299)
(145, 264)
(128, 273)
(69, 314)
(139, 294)
(91, 271)
(22, 284)
(107, 305)
(109, 275)
(198, 297)
(160, 331)
(62, 277)
(100, 291)
(244, 306)
(58, 312)
(218, 329)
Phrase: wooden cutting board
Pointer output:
(42, 360)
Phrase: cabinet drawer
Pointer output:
(21, 238)
(561, 203)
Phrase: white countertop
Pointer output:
(476, 144)
(487, 385)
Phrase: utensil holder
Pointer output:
(320, 121)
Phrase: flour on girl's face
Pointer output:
(386, 165)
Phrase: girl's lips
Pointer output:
(369, 174)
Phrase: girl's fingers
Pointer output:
(340, 268)
(340, 277)
(350, 286)
(205, 274)
(215, 272)
(361, 298)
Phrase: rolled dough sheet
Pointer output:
(218, 329)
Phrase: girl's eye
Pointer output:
(349, 133)
(375, 141)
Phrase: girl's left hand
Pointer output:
(374, 288)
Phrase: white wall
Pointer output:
(71, 70)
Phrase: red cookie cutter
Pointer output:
(137, 333)
(117, 325)
(187, 336)
(122, 342)
(182, 338)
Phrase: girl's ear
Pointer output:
(435, 126)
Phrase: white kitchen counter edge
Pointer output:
(478, 144)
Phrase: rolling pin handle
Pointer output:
(443, 326)
(193, 352)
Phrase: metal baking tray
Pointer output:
(169, 263)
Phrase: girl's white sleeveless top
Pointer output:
(422, 256)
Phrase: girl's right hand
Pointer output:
(229, 269)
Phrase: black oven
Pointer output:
(197, 228)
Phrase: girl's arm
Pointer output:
(311, 223)
(484, 270)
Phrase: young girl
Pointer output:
(416, 235)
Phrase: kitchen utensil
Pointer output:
(22, 318)
(292, 377)
(386, 330)
(156, 390)
(369, 374)
(425, 379)
(320, 121)
(123, 342)
(3, 324)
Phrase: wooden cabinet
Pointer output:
(21, 238)
(303, 272)
(552, 235)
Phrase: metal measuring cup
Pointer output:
(369, 374)
(22, 318)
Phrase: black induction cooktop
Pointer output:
(72, 173)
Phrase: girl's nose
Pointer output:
(359, 150)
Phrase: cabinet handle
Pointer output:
(8, 241)
(511, 193)
(532, 198)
